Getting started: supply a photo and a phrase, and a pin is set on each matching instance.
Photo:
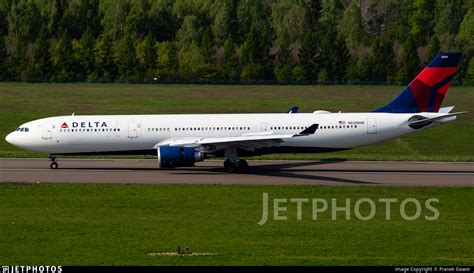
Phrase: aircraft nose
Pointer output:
(9, 138)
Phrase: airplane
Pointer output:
(183, 139)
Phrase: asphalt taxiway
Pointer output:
(262, 172)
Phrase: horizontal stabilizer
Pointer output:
(427, 121)
(446, 109)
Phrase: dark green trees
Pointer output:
(105, 69)
(63, 60)
(409, 62)
(42, 59)
(127, 62)
(322, 41)
(86, 55)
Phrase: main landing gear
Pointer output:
(233, 163)
(236, 166)
(54, 164)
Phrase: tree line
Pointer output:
(231, 40)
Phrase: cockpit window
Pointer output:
(22, 129)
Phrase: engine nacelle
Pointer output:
(170, 157)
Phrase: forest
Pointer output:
(236, 41)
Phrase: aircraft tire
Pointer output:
(229, 166)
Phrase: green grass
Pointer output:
(22, 102)
(78, 224)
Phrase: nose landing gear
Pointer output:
(54, 164)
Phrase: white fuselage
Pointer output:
(128, 133)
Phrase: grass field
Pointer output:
(122, 224)
(74, 224)
(22, 102)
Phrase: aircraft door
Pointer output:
(47, 131)
(371, 126)
(264, 127)
(132, 130)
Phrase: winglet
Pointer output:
(293, 109)
(308, 131)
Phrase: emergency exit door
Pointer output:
(371, 126)
(47, 131)
(132, 130)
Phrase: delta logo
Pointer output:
(84, 124)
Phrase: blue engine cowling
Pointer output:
(170, 157)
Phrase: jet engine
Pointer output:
(170, 157)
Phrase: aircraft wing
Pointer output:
(245, 141)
